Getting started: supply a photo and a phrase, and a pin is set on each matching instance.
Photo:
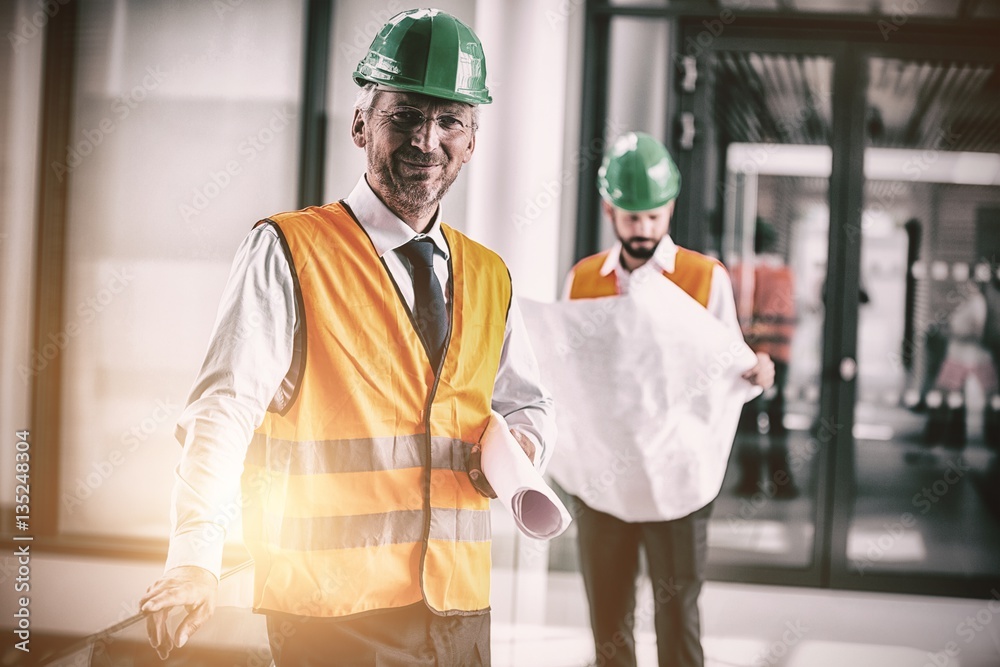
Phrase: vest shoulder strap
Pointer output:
(474, 254)
(693, 274)
(588, 283)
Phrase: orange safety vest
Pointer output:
(692, 273)
(771, 322)
(357, 496)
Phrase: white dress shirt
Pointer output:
(721, 302)
(249, 368)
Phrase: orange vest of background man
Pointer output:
(767, 309)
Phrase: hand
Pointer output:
(195, 589)
(762, 374)
(526, 444)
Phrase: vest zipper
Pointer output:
(427, 406)
(427, 421)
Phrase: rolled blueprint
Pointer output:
(536, 509)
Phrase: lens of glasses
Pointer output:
(408, 119)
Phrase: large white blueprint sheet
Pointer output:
(648, 393)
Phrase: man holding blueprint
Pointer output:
(651, 371)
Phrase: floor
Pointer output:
(743, 626)
(540, 620)
(758, 626)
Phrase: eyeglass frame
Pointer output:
(386, 113)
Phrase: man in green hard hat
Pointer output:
(358, 353)
(639, 184)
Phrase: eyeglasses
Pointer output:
(411, 119)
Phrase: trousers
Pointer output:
(676, 552)
(411, 636)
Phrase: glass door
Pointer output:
(925, 497)
(773, 124)
(875, 457)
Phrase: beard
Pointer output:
(412, 193)
(633, 249)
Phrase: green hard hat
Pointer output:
(430, 52)
(638, 174)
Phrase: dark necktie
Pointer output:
(428, 307)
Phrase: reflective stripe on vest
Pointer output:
(357, 497)
(692, 273)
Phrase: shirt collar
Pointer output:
(664, 257)
(384, 227)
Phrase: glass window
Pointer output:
(184, 134)
(775, 226)
(927, 416)
(20, 98)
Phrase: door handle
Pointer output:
(848, 369)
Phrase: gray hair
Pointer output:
(365, 99)
(366, 96)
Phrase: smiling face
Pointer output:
(412, 169)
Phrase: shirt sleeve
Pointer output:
(518, 393)
(248, 356)
(721, 302)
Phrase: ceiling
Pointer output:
(948, 105)
(786, 99)
(774, 98)
(958, 10)
(951, 9)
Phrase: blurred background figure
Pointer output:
(765, 302)
(965, 356)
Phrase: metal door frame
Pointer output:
(850, 41)
(836, 483)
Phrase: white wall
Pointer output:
(517, 187)
(186, 124)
